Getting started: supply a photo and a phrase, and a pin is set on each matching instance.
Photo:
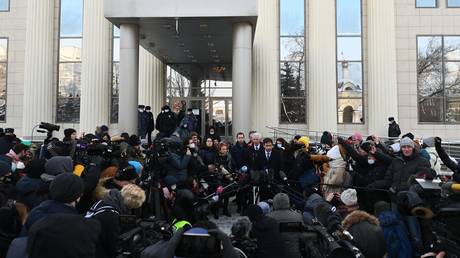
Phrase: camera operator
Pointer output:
(70, 138)
(177, 164)
(371, 164)
(399, 177)
(282, 213)
(108, 212)
(204, 239)
(196, 165)
(451, 164)
(125, 175)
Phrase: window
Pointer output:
(293, 108)
(4, 5)
(349, 62)
(438, 79)
(426, 3)
(115, 75)
(69, 70)
(3, 77)
(453, 3)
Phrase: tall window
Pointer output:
(292, 61)
(115, 75)
(438, 76)
(426, 3)
(453, 3)
(69, 77)
(3, 77)
(349, 61)
(4, 5)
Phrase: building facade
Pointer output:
(336, 65)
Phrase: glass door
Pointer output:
(199, 109)
(221, 118)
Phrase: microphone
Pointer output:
(41, 131)
(451, 187)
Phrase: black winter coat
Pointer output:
(240, 155)
(269, 242)
(394, 130)
(208, 155)
(400, 171)
(166, 123)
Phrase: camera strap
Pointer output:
(95, 210)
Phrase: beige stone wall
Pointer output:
(13, 26)
(410, 22)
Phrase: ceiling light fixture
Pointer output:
(186, 50)
(210, 44)
(213, 51)
(194, 61)
(203, 25)
(181, 44)
(190, 56)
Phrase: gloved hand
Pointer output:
(228, 250)
(437, 141)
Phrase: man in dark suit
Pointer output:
(256, 150)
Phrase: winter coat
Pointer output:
(142, 123)
(45, 209)
(367, 234)
(26, 191)
(110, 222)
(63, 235)
(290, 239)
(240, 155)
(150, 122)
(208, 155)
(166, 123)
(304, 169)
(400, 172)
(191, 122)
(18, 248)
(176, 168)
(393, 130)
(269, 241)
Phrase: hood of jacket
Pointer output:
(114, 199)
(357, 217)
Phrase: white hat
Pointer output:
(349, 198)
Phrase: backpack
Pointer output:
(396, 236)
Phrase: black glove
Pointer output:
(437, 141)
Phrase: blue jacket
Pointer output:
(176, 168)
(44, 209)
(26, 190)
(208, 155)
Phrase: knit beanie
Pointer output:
(126, 174)
(265, 207)
(406, 141)
(281, 201)
(66, 188)
(241, 227)
(349, 197)
(357, 136)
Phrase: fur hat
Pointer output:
(349, 197)
(126, 174)
(305, 140)
(265, 207)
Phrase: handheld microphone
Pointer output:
(451, 187)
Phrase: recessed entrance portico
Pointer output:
(210, 43)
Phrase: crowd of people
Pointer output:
(70, 197)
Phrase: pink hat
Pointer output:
(357, 136)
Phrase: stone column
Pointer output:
(129, 78)
(39, 83)
(96, 62)
(322, 84)
(382, 83)
(242, 77)
(152, 81)
(266, 75)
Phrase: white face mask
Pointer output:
(279, 145)
(371, 161)
(192, 145)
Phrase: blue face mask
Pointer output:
(13, 167)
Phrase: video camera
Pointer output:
(49, 127)
(315, 241)
(140, 233)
